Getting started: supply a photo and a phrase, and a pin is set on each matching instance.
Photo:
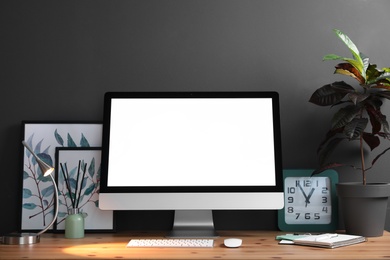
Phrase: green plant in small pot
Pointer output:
(359, 118)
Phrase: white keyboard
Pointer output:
(171, 242)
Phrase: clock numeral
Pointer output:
(324, 199)
(290, 210)
(305, 183)
(290, 199)
(298, 214)
(309, 216)
(325, 209)
(291, 190)
(325, 190)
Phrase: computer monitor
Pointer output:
(192, 152)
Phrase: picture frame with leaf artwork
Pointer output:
(37, 203)
(78, 180)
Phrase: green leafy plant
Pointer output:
(359, 118)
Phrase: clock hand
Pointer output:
(309, 196)
(311, 193)
(304, 194)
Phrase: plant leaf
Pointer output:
(372, 74)
(385, 75)
(37, 151)
(349, 70)
(47, 191)
(29, 142)
(27, 193)
(344, 116)
(37, 148)
(357, 97)
(59, 139)
(84, 141)
(46, 150)
(29, 205)
(90, 189)
(350, 61)
(371, 140)
(355, 128)
(85, 180)
(366, 63)
(62, 214)
(71, 143)
(331, 94)
(73, 172)
(91, 168)
(332, 57)
(25, 175)
(72, 183)
(359, 64)
(377, 119)
(46, 158)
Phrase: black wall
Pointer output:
(72, 52)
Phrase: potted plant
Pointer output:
(359, 118)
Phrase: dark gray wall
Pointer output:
(72, 52)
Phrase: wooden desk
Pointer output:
(256, 245)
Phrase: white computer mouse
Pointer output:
(232, 242)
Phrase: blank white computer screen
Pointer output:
(167, 142)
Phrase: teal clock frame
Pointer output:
(333, 225)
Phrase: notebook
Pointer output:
(329, 240)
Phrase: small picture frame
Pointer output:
(37, 205)
(84, 185)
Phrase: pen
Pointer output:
(325, 236)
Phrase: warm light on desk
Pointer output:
(105, 250)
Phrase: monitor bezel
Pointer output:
(109, 96)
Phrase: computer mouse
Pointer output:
(232, 242)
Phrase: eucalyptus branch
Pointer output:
(39, 196)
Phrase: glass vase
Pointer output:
(74, 224)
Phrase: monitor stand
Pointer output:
(193, 224)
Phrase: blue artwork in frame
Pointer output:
(84, 187)
(44, 138)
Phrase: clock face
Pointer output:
(307, 200)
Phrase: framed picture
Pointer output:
(37, 190)
(78, 180)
